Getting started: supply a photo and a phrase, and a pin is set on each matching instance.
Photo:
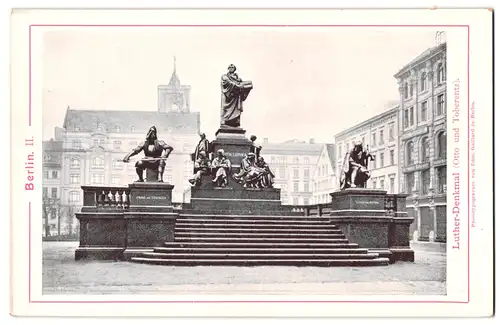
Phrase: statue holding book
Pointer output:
(234, 91)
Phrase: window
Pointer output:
(425, 152)
(411, 116)
(45, 192)
(426, 181)
(411, 89)
(391, 132)
(132, 129)
(405, 89)
(46, 174)
(340, 151)
(441, 145)
(374, 139)
(282, 172)
(97, 162)
(410, 181)
(295, 173)
(295, 201)
(306, 160)
(117, 144)
(75, 163)
(391, 185)
(168, 179)
(55, 174)
(382, 160)
(97, 178)
(295, 160)
(117, 165)
(117, 128)
(423, 81)
(441, 106)
(76, 144)
(295, 186)
(381, 140)
(423, 111)
(374, 184)
(363, 141)
(391, 157)
(374, 161)
(74, 197)
(382, 184)
(306, 187)
(409, 153)
(441, 179)
(74, 179)
(440, 73)
(406, 119)
(115, 180)
(53, 214)
(273, 159)
(306, 173)
(306, 201)
(53, 192)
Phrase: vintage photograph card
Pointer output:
(281, 163)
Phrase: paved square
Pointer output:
(63, 275)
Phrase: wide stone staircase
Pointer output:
(258, 241)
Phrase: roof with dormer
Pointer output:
(115, 121)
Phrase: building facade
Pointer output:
(94, 143)
(293, 163)
(324, 175)
(378, 134)
(53, 209)
(422, 142)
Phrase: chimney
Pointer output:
(265, 140)
(311, 141)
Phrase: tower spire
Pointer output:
(175, 65)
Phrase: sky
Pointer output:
(308, 82)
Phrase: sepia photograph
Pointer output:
(253, 159)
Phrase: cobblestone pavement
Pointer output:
(63, 275)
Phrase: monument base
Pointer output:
(107, 232)
(363, 216)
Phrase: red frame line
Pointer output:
(260, 301)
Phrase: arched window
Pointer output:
(440, 73)
(423, 81)
(425, 150)
(409, 153)
(97, 162)
(406, 90)
(75, 163)
(441, 145)
(411, 89)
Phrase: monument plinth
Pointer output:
(374, 220)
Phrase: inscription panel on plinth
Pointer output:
(151, 195)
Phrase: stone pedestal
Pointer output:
(234, 143)
(151, 217)
(367, 219)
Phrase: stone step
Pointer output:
(257, 225)
(253, 256)
(261, 245)
(262, 262)
(252, 218)
(260, 250)
(257, 230)
(219, 234)
(259, 239)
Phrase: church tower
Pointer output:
(174, 97)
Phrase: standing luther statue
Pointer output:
(234, 92)
(156, 153)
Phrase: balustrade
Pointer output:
(106, 197)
